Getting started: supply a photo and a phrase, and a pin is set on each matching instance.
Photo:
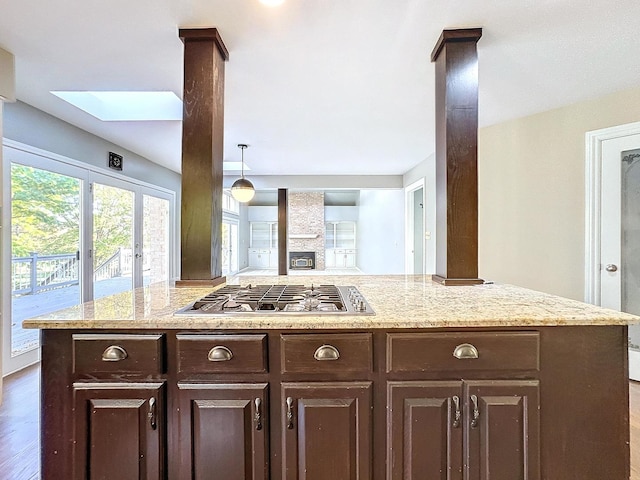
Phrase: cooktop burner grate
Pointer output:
(291, 299)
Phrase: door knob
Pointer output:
(611, 268)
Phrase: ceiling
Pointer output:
(319, 86)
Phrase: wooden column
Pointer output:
(202, 148)
(283, 231)
(456, 59)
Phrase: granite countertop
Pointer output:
(400, 301)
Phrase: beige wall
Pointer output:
(532, 193)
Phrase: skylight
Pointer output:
(126, 106)
(234, 166)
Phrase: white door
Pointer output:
(44, 244)
(131, 236)
(618, 268)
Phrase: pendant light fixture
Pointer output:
(242, 189)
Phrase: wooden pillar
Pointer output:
(456, 59)
(202, 148)
(283, 229)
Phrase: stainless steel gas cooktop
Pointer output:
(280, 299)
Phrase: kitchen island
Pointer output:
(475, 382)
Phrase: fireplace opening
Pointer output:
(302, 260)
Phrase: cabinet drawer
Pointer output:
(104, 353)
(222, 353)
(419, 352)
(317, 353)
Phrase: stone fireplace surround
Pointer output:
(306, 225)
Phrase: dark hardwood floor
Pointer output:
(19, 427)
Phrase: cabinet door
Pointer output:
(273, 258)
(223, 430)
(503, 421)
(350, 259)
(329, 258)
(119, 430)
(327, 431)
(253, 258)
(424, 430)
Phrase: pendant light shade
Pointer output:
(242, 189)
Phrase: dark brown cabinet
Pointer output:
(435, 404)
(224, 428)
(327, 429)
(471, 430)
(119, 431)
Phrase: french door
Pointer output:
(75, 235)
(131, 236)
(42, 248)
(229, 246)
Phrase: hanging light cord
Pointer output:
(242, 147)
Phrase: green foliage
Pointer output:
(46, 215)
(113, 221)
(45, 212)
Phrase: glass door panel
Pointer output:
(229, 247)
(155, 239)
(630, 242)
(113, 240)
(45, 248)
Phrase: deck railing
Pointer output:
(37, 273)
(116, 265)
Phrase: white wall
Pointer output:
(33, 127)
(319, 182)
(531, 182)
(380, 235)
(262, 213)
(426, 171)
(243, 237)
(345, 213)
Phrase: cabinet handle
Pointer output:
(457, 413)
(476, 411)
(220, 353)
(152, 413)
(326, 352)
(258, 416)
(114, 353)
(464, 351)
(289, 413)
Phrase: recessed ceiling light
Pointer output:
(126, 106)
(272, 3)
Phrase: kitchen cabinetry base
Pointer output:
(541, 403)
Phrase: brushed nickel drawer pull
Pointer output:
(290, 413)
(326, 352)
(476, 411)
(114, 353)
(258, 414)
(220, 353)
(465, 351)
(457, 413)
(152, 413)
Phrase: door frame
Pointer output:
(593, 204)
(32, 159)
(410, 226)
